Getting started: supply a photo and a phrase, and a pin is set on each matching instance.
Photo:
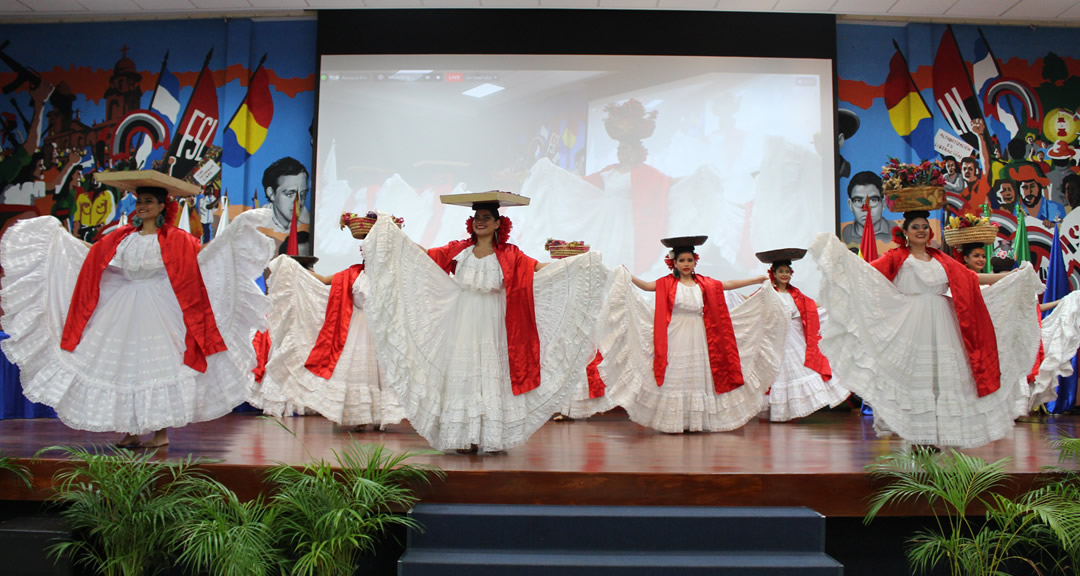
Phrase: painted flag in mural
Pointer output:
(952, 87)
(166, 101)
(985, 69)
(1057, 287)
(247, 129)
(1021, 250)
(196, 128)
(868, 245)
(907, 112)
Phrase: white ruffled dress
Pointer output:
(127, 374)
(354, 395)
(799, 391)
(441, 340)
(688, 402)
(898, 345)
(1061, 339)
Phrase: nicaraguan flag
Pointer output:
(166, 100)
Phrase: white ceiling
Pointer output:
(1061, 12)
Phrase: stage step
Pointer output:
(479, 539)
(23, 541)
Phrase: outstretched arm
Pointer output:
(646, 286)
(540, 266)
(1049, 305)
(736, 284)
(991, 278)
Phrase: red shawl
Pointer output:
(720, 335)
(522, 339)
(261, 343)
(592, 373)
(811, 327)
(324, 356)
(180, 252)
(976, 327)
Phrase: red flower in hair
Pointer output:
(501, 235)
(898, 236)
(671, 261)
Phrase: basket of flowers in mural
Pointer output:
(360, 226)
(969, 229)
(561, 249)
(910, 187)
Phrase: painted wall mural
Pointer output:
(226, 104)
(997, 106)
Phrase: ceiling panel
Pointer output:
(981, 8)
(170, 5)
(55, 6)
(118, 6)
(1072, 14)
(746, 5)
(804, 5)
(13, 6)
(221, 4)
(862, 6)
(510, 3)
(635, 4)
(1039, 9)
(569, 3)
(687, 4)
(926, 8)
(279, 4)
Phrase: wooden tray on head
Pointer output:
(770, 256)
(504, 199)
(684, 241)
(132, 179)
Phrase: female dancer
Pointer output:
(324, 359)
(938, 370)
(688, 364)
(482, 359)
(973, 257)
(140, 332)
(805, 383)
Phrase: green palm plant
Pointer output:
(222, 536)
(1020, 530)
(328, 516)
(21, 472)
(120, 507)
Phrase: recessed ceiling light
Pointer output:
(483, 90)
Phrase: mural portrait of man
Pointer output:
(865, 187)
(284, 181)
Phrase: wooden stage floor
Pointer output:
(816, 462)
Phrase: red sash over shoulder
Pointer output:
(180, 252)
(811, 326)
(522, 339)
(324, 355)
(592, 375)
(649, 200)
(976, 328)
(719, 334)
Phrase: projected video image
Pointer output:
(614, 151)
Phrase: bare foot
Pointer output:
(360, 428)
(128, 441)
(561, 418)
(159, 440)
(470, 450)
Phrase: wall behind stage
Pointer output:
(1024, 82)
(132, 94)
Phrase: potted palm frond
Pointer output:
(119, 507)
(22, 473)
(328, 516)
(1026, 530)
(222, 536)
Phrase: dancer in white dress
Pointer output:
(939, 370)
(688, 365)
(323, 357)
(1061, 338)
(805, 383)
(141, 332)
(481, 360)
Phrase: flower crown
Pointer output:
(501, 235)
